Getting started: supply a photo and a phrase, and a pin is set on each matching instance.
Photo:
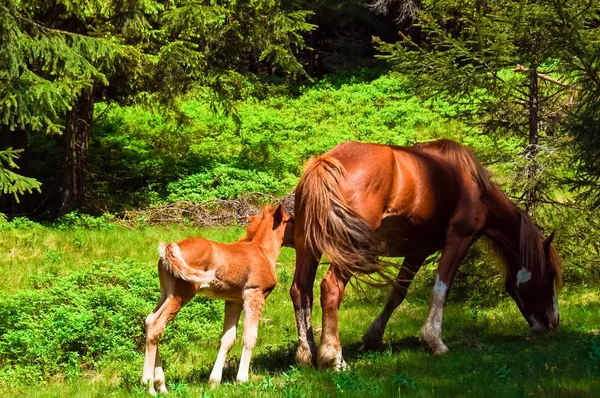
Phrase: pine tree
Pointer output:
(58, 57)
(496, 59)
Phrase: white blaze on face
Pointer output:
(535, 325)
(440, 287)
(523, 276)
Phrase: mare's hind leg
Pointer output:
(454, 252)
(332, 292)
(373, 337)
(254, 301)
(232, 317)
(301, 293)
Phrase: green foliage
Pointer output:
(226, 182)
(89, 320)
(139, 157)
(76, 220)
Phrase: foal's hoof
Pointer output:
(149, 385)
(162, 388)
(214, 383)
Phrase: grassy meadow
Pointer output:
(73, 301)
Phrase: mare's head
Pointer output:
(533, 276)
(269, 221)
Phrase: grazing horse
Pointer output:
(359, 201)
(241, 273)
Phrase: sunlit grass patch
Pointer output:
(71, 324)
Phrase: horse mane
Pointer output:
(255, 222)
(529, 252)
(462, 157)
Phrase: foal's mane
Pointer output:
(255, 222)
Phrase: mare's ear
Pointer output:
(250, 218)
(548, 241)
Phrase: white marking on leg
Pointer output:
(431, 332)
(253, 305)
(159, 375)
(306, 345)
(340, 365)
(439, 287)
(523, 276)
(232, 316)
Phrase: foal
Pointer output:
(241, 273)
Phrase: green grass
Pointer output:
(492, 353)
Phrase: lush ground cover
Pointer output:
(73, 301)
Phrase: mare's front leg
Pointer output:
(454, 252)
(254, 301)
(232, 317)
(301, 293)
(332, 292)
(373, 337)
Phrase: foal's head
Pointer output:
(532, 279)
(270, 223)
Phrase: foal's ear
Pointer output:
(280, 213)
(548, 241)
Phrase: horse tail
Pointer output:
(172, 261)
(462, 157)
(331, 227)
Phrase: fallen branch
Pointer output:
(205, 214)
(521, 68)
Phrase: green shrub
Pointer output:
(90, 320)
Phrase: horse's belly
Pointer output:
(404, 238)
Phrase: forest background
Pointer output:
(112, 111)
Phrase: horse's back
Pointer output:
(408, 193)
(403, 181)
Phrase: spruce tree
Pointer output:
(499, 60)
(58, 57)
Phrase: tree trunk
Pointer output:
(532, 148)
(78, 124)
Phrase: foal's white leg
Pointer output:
(232, 317)
(254, 302)
(150, 353)
(159, 375)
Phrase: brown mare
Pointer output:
(359, 201)
(241, 273)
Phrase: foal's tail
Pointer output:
(171, 259)
(331, 227)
